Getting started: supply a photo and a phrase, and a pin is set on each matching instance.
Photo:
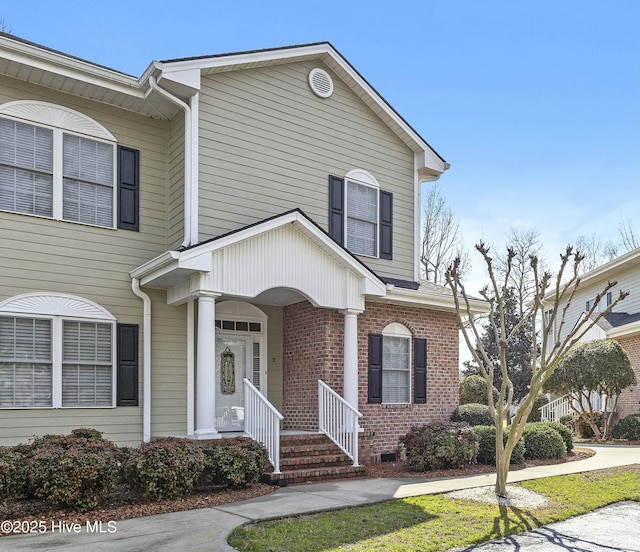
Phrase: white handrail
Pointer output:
(262, 422)
(553, 411)
(338, 420)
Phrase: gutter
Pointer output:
(190, 163)
(146, 359)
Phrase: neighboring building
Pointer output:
(621, 324)
(252, 215)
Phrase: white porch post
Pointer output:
(206, 367)
(350, 385)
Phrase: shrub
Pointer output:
(487, 446)
(565, 433)
(627, 428)
(440, 445)
(569, 421)
(473, 414)
(75, 471)
(13, 473)
(542, 442)
(584, 429)
(165, 468)
(473, 389)
(233, 462)
(535, 415)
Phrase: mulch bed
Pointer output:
(123, 505)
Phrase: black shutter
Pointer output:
(386, 225)
(374, 394)
(336, 209)
(128, 188)
(419, 370)
(127, 365)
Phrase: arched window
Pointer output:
(56, 350)
(56, 162)
(396, 364)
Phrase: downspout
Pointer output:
(146, 359)
(190, 236)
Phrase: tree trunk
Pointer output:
(502, 464)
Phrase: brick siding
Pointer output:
(629, 400)
(313, 349)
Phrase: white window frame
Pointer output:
(363, 178)
(551, 328)
(398, 330)
(61, 121)
(61, 307)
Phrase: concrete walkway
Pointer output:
(208, 528)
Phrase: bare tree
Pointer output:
(545, 356)
(441, 239)
(4, 26)
(595, 252)
(524, 243)
(627, 235)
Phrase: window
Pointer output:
(390, 361)
(29, 183)
(362, 219)
(66, 359)
(602, 304)
(66, 173)
(363, 213)
(396, 366)
(550, 325)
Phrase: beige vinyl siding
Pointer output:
(168, 368)
(628, 280)
(45, 256)
(268, 144)
(175, 170)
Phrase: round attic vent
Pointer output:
(320, 82)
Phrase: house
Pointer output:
(622, 323)
(188, 252)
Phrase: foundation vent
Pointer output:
(320, 83)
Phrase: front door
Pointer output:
(237, 357)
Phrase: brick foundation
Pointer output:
(313, 349)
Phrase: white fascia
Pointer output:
(53, 62)
(627, 330)
(162, 264)
(439, 302)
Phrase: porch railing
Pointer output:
(262, 422)
(553, 411)
(338, 420)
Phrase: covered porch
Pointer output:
(263, 304)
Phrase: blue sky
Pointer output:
(536, 104)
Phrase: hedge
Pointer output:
(627, 428)
(542, 442)
(440, 445)
(487, 446)
(473, 414)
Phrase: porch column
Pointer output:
(206, 367)
(350, 385)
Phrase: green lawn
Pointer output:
(435, 522)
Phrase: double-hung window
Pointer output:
(38, 165)
(65, 359)
(396, 368)
(361, 214)
(362, 219)
(392, 354)
(58, 163)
